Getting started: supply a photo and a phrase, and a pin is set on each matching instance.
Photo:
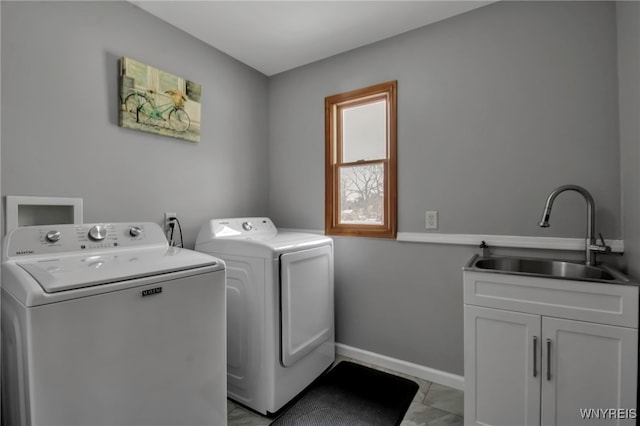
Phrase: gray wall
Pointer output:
(629, 75)
(60, 129)
(496, 107)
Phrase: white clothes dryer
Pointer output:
(280, 308)
(105, 324)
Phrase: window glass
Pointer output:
(364, 132)
(362, 194)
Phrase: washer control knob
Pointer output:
(135, 231)
(53, 236)
(247, 226)
(97, 233)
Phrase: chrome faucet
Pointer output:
(591, 247)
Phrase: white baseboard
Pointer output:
(405, 367)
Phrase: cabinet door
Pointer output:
(502, 367)
(591, 366)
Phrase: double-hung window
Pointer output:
(360, 162)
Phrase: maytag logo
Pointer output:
(151, 291)
(21, 252)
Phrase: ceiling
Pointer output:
(276, 36)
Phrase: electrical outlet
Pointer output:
(431, 220)
(167, 217)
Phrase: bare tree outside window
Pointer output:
(362, 194)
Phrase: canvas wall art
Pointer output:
(152, 100)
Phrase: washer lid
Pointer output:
(72, 272)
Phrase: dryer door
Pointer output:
(306, 284)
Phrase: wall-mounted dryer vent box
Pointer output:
(31, 211)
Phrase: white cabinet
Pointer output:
(500, 388)
(589, 366)
(538, 350)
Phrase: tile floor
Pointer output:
(433, 405)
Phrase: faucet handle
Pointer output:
(600, 248)
(604, 246)
(485, 249)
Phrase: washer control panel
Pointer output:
(48, 239)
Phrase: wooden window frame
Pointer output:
(333, 161)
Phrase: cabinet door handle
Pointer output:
(548, 359)
(535, 356)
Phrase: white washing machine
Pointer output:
(105, 324)
(280, 309)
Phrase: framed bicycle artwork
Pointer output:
(155, 101)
